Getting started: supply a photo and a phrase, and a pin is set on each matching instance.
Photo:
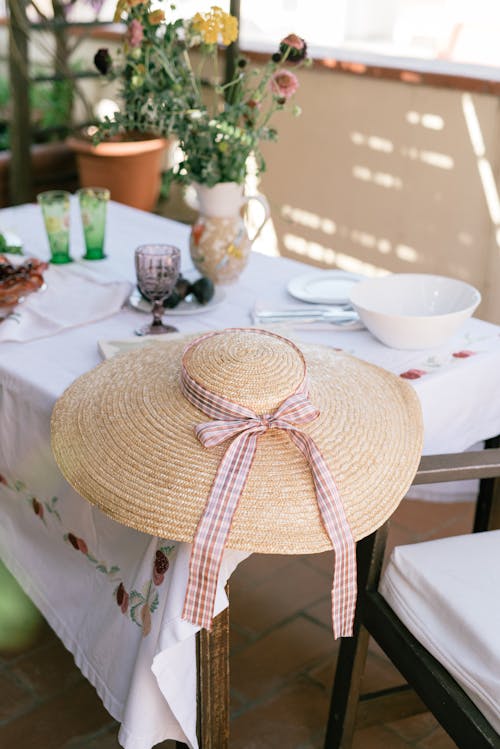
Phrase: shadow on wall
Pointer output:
(379, 176)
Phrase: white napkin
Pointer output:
(77, 294)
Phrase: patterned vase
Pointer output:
(219, 242)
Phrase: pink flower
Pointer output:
(284, 84)
(296, 47)
(135, 33)
(463, 354)
(413, 374)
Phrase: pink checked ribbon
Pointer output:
(242, 427)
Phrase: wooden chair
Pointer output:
(430, 686)
(449, 703)
(212, 660)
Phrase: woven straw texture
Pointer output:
(123, 436)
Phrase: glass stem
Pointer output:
(157, 311)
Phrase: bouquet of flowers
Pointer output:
(171, 85)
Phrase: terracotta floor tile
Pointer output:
(321, 611)
(15, 699)
(257, 568)
(76, 712)
(379, 674)
(278, 597)
(416, 728)
(378, 737)
(266, 664)
(438, 739)
(290, 719)
(105, 738)
(419, 517)
(48, 670)
(237, 639)
(322, 562)
(324, 672)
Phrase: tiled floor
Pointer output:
(282, 661)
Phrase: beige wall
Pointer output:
(362, 182)
(381, 176)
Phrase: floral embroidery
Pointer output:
(413, 374)
(137, 605)
(144, 603)
(463, 354)
(161, 564)
(122, 598)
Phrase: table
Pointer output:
(92, 578)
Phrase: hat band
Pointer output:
(241, 425)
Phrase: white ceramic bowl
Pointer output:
(414, 310)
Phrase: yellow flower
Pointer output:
(214, 23)
(229, 29)
(121, 5)
(156, 17)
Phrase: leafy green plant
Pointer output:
(164, 90)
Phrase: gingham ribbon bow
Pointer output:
(242, 427)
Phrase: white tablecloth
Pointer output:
(93, 579)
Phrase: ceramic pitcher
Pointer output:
(219, 242)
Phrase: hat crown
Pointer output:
(253, 368)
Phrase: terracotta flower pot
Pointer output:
(130, 169)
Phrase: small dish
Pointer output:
(324, 286)
(188, 306)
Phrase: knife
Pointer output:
(325, 314)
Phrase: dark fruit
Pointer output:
(172, 301)
(203, 290)
(73, 540)
(182, 287)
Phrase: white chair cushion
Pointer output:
(447, 593)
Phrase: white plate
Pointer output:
(186, 307)
(324, 286)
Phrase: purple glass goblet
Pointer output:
(157, 267)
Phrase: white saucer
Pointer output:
(324, 286)
(187, 306)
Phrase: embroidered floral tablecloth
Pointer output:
(113, 595)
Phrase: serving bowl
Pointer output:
(414, 310)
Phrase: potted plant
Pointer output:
(126, 152)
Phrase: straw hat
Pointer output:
(123, 436)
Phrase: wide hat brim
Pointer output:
(123, 436)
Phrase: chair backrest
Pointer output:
(435, 687)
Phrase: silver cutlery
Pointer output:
(323, 314)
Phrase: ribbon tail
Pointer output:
(213, 529)
(344, 588)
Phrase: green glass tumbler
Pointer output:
(93, 207)
(56, 212)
